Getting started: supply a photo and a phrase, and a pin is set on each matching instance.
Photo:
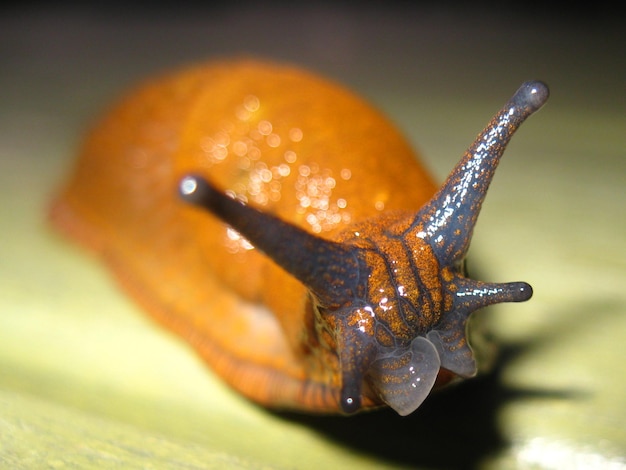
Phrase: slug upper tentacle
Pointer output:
(448, 219)
(302, 290)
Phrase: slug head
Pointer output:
(389, 297)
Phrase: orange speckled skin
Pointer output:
(281, 139)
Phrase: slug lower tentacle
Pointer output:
(328, 276)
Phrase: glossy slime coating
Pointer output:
(328, 276)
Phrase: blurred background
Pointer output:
(86, 380)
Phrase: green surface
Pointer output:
(87, 381)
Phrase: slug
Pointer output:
(285, 229)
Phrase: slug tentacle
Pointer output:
(327, 268)
(356, 350)
(449, 335)
(447, 220)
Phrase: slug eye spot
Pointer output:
(535, 93)
(350, 402)
(188, 185)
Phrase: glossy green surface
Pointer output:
(87, 381)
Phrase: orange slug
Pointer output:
(285, 229)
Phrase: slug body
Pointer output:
(285, 229)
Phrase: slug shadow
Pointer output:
(459, 427)
(456, 428)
